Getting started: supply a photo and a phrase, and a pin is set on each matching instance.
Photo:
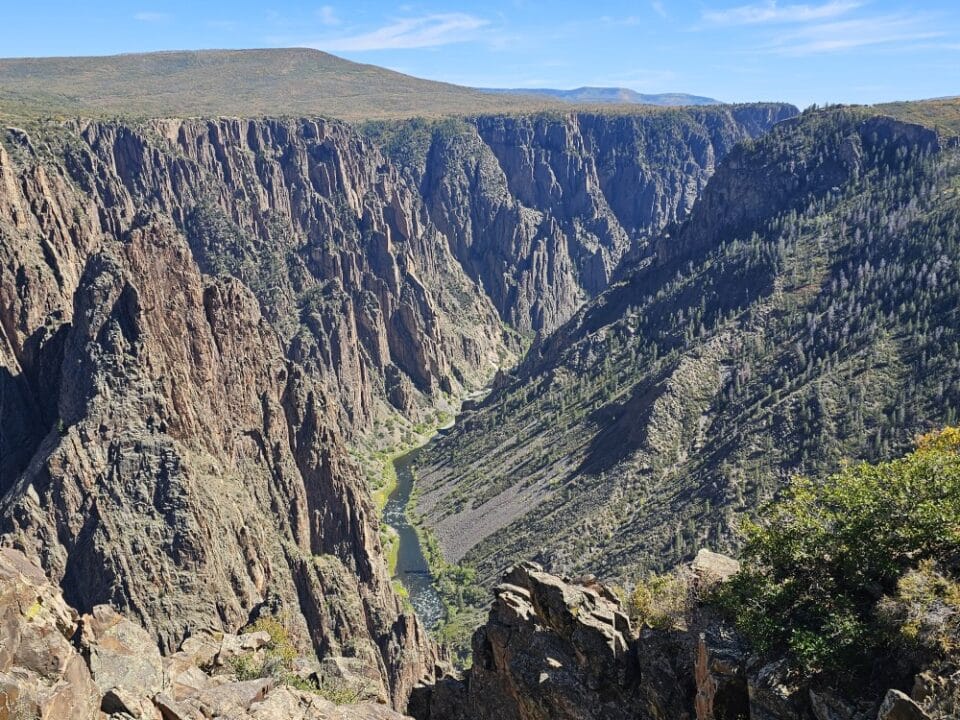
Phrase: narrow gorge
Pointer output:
(210, 328)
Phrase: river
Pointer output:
(412, 568)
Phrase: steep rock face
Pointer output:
(194, 476)
(541, 210)
(379, 273)
(46, 235)
(340, 253)
(778, 329)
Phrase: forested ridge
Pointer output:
(805, 313)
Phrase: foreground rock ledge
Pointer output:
(560, 649)
(56, 665)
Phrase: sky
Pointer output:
(823, 51)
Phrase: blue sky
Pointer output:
(819, 51)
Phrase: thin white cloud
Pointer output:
(151, 17)
(419, 32)
(639, 80)
(328, 15)
(658, 8)
(771, 12)
(629, 20)
(818, 38)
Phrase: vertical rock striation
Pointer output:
(540, 210)
(197, 315)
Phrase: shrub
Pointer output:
(276, 661)
(280, 647)
(660, 601)
(277, 656)
(816, 568)
(925, 611)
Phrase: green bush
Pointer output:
(817, 568)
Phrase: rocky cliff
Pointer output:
(195, 316)
(540, 210)
(564, 649)
(194, 477)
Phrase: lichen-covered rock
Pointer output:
(899, 706)
(122, 657)
(41, 673)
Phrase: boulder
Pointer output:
(711, 568)
(232, 698)
(170, 709)
(202, 648)
(41, 673)
(123, 659)
(232, 646)
(898, 706)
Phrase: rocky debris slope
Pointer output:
(57, 665)
(195, 478)
(779, 329)
(560, 649)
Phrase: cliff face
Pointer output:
(160, 451)
(541, 210)
(195, 315)
(791, 321)
(337, 249)
(184, 505)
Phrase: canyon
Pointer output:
(220, 331)
(200, 317)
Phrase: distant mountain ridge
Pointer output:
(241, 83)
(611, 95)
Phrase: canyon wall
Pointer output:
(199, 317)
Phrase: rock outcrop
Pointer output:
(550, 649)
(560, 649)
(116, 669)
(41, 673)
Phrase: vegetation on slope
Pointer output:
(245, 83)
(807, 312)
(856, 576)
(942, 114)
